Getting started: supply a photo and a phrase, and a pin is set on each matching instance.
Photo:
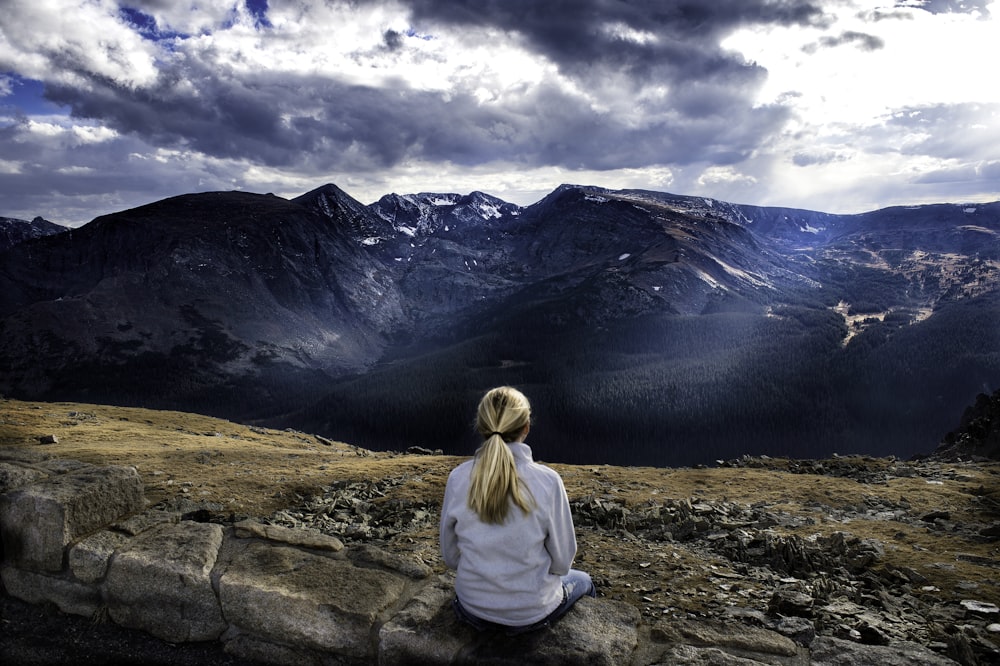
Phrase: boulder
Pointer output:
(14, 475)
(689, 655)
(598, 632)
(736, 636)
(161, 583)
(303, 600)
(38, 521)
(70, 596)
(827, 651)
(426, 631)
(89, 557)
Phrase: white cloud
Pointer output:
(845, 111)
(49, 40)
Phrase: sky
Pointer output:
(832, 105)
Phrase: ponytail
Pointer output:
(503, 415)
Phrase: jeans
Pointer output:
(575, 584)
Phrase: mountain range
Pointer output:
(647, 328)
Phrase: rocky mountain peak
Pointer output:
(14, 231)
(426, 213)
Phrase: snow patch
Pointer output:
(371, 240)
(488, 210)
(623, 257)
(809, 229)
(705, 277)
(969, 210)
(741, 274)
(595, 197)
(409, 231)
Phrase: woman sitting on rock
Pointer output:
(507, 529)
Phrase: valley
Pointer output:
(683, 329)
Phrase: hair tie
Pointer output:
(496, 432)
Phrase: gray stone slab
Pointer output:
(38, 521)
(598, 632)
(89, 557)
(827, 651)
(305, 537)
(13, 475)
(162, 583)
(425, 631)
(307, 600)
(70, 596)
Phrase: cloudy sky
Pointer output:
(833, 105)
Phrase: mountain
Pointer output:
(232, 301)
(647, 327)
(14, 231)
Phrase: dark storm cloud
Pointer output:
(296, 120)
(581, 35)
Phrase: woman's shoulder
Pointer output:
(543, 473)
(461, 470)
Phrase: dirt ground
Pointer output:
(253, 472)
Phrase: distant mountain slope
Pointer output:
(199, 297)
(648, 328)
(978, 434)
(14, 231)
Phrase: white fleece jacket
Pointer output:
(509, 573)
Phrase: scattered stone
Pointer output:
(980, 607)
(48, 439)
(305, 537)
(422, 451)
(799, 629)
(790, 602)
(828, 651)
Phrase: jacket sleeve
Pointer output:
(447, 537)
(561, 540)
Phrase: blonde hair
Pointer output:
(502, 417)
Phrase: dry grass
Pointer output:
(256, 472)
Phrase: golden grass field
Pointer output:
(254, 472)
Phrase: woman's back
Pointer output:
(509, 573)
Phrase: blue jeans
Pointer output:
(575, 584)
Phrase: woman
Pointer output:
(506, 527)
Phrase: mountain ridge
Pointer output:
(644, 313)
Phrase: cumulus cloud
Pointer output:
(287, 107)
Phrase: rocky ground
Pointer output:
(875, 551)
